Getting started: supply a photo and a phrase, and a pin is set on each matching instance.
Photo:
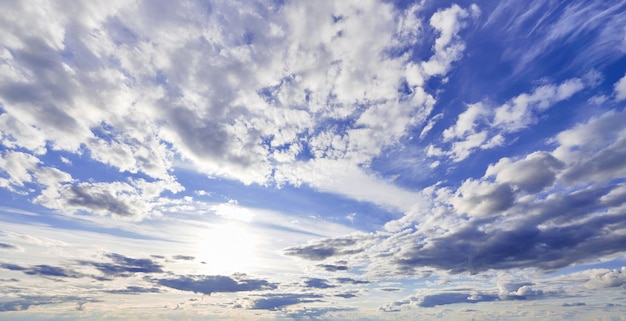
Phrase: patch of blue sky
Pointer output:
(120, 33)
(301, 201)
(32, 214)
(84, 169)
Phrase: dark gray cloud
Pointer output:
(318, 283)
(12, 267)
(481, 200)
(184, 257)
(276, 301)
(327, 248)
(347, 295)
(546, 233)
(97, 199)
(134, 290)
(125, 266)
(6, 246)
(551, 234)
(51, 85)
(333, 267)
(390, 289)
(42, 270)
(208, 284)
(531, 174)
(20, 305)
(602, 165)
(351, 281)
(24, 302)
(47, 270)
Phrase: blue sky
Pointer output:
(332, 160)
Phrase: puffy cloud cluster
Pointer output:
(482, 126)
(253, 95)
(546, 210)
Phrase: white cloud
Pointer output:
(483, 199)
(147, 88)
(531, 174)
(520, 111)
(429, 126)
(466, 122)
(601, 278)
(620, 89)
(593, 150)
(232, 211)
(347, 179)
(17, 134)
(448, 46)
(19, 168)
(460, 150)
(481, 126)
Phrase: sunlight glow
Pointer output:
(228, 248)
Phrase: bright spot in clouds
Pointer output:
(228, 248)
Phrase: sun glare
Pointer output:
(228, 248)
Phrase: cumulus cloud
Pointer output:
(134, 200)
(593, 150)
(478, 198)
(528, 212)
(448, 46)
(601, 278)
(482, 126)
(531, 174)
(102, 77)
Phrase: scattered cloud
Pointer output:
(482, 126)
(125, 266)
(620, 89)
(134, 290)
(330, 248)
(207, 284)
(318, 283)
(6, 246)
(183, 257)
(333, 268)
(42, 270)
(277, 301)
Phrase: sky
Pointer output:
(312, 160)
